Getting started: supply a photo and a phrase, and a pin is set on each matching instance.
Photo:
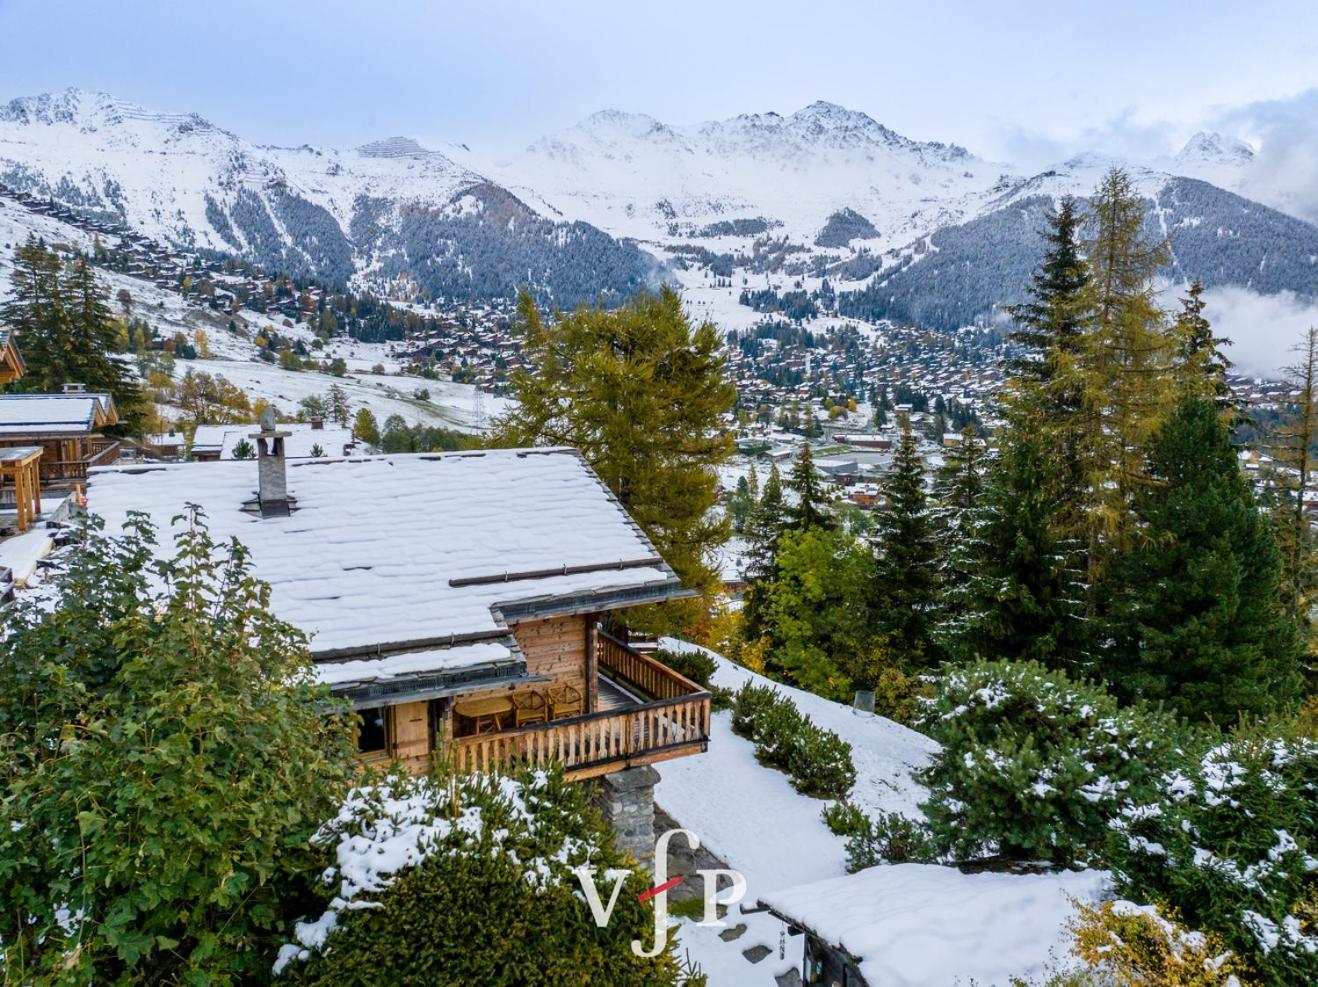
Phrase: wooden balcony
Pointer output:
(653, 714)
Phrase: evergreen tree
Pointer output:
(1197, 623)
(36, 313)
(336, 400)
(1025, 600)
(641, 391)
(905, 585)
(1051, 323)
(958, 489)
(812, 507)
(768, 520)
(1198, 364)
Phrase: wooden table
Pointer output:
(486, 712)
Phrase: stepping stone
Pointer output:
(756, 953)
(736, 932)
(792, 978)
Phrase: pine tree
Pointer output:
(641, 391)
(1047, 388)
(36, 313)
(1025, 599)
(1050, 324)
(905, 589)
(1198, 364)
(1196, 622)
(958, 490)
(768, 521)
(812, 507)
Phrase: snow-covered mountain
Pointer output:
(752, 174)
(385, 208)
(904, 229)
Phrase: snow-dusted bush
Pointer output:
(1122, 943)
(1033, 765)
(818, 760)
(1228, 842)
(470, 881)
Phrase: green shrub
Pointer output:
(818, 760)
(750, 702)
(720, 698)
(844, 818)
(888, 838)
(1033, 766)
(820, 764)
(1228, 843)
(698, 666)
(477, 889)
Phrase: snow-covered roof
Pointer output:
(302, 438)
(910, 924)
(403, 553)
(51, 414)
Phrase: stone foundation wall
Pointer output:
(627, 800)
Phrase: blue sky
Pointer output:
(1024, 81)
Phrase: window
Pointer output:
(372, 731)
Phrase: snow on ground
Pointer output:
(789, 844)
(458, 406)
(928, 925)
(21, 553)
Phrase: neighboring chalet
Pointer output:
(457, 601)
(11, 362)
(67, 428)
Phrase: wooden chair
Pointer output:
(487, 724)
(530, 707)
(565, 700)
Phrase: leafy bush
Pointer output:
(1123, 944)
(1228, 842)
(1033, 765)
(471, 882)
(698, 666)
(818, 760)
(166, 758)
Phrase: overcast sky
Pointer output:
(1016, 80)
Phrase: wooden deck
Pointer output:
(646, 713)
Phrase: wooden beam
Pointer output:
(592, 663)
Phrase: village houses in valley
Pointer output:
(458, 601)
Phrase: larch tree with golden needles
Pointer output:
(1125, 366)
(642, 392)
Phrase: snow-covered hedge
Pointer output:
(1229, 843)
(1033, 765)
(818, 760)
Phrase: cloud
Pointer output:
(1284, 173)
(1264, 329)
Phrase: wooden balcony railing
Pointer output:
(673, 724)
(642, 672)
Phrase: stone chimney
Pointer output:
(317, 423)
(272, 499)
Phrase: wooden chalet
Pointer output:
(11, 362)
(65, 427)
(458, 601)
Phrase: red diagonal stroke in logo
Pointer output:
(661, 888)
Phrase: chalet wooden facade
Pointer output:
(65, 426)
(457, 601)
